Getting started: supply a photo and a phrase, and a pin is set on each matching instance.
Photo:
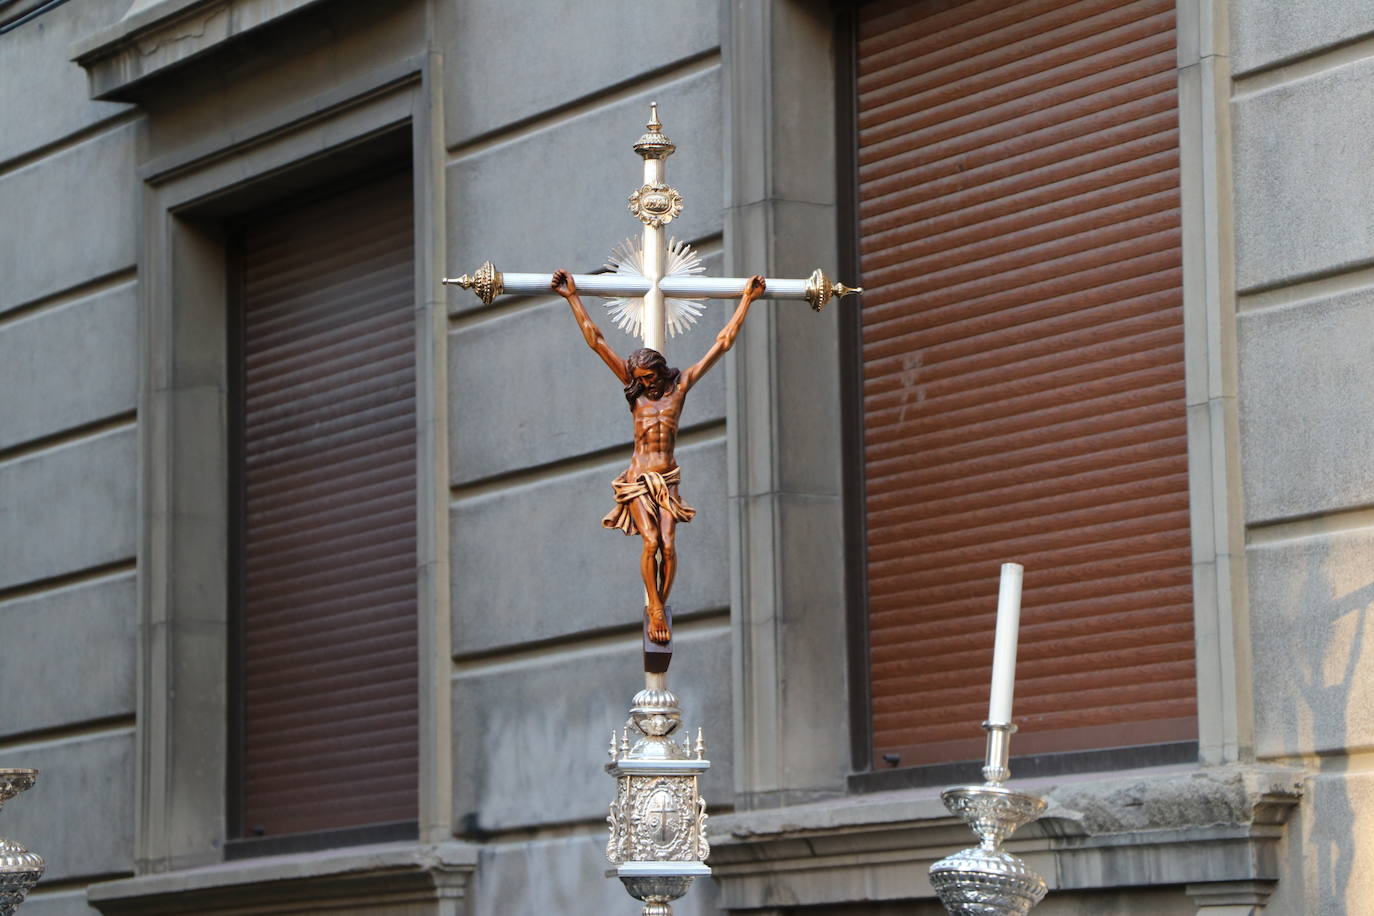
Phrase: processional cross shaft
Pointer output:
(653, 288)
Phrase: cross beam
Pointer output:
(655, 204)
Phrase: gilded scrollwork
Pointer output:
(655, 204)
(703, 847)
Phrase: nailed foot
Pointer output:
(658, 626)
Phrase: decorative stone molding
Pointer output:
(156, 36)
(401, 878)
(1139, 829)
(1231, 898)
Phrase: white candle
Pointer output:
(1004, 650)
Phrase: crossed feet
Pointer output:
(658, 628)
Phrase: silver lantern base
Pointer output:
(19, 872)
(986, 880)
(657, 844)
(19, 868)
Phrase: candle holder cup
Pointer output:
(986, 880)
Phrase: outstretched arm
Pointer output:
(564, 286)
(726, 338)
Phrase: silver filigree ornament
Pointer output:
(19, 868)
(657, 843)
(628, 260)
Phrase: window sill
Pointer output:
(1180, 825)
(379, 878)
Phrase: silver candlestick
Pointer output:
(19, 868)
(986, 880)
(658, 819)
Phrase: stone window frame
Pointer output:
(182, 752)
(821, 844)
(796, 699)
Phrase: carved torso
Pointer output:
(656, 423)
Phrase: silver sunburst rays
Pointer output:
(627, 260)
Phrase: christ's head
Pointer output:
(649, 375)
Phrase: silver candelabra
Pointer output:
(19, 868)
(986, 880)
(658, 842)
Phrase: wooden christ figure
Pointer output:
(646, 495)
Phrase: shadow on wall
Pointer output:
(1316, 644)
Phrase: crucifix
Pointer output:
(654, 289)
(657, 821)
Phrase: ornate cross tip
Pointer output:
(820, 289)
(653, 144)
(486, 281)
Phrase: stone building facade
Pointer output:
(137, 135)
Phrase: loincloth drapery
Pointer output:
(652, 490)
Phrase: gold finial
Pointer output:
(485, 282)
(820, 289)
(654, 145)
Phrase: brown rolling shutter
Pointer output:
(1023, 371)
(329, 634)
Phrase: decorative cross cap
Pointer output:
(486, 282)
(654, 145)
(820, 289)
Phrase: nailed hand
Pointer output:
(563, 284)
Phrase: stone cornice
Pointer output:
(156, 37)
(384, 875)
(1141, 828)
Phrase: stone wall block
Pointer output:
(100, 175)
(525, 390)
(78, 658)
(1329, 842)
(558, 198)
(44, 95)
(1302, 155)
(68, 508)
(1307, 424)
(80, 815)
(534, 563)
(1312, 623)
(531, 737)
(1264, 33)
(486, 40)
(69, 366)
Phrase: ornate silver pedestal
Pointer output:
(986, 880)
(658, 819)
(19, 868)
